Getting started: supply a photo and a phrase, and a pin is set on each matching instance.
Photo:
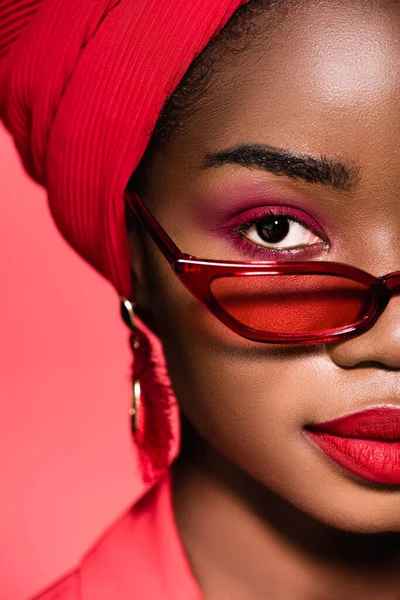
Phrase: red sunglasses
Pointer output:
(278, 302)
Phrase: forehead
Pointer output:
(321, 77)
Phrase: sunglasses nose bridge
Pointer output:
(392, 283)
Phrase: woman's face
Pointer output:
(321, 80)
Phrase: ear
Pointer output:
(138, 269)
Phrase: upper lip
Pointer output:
(378, 423)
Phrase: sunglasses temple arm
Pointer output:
(154, 229)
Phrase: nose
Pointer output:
(380, 346)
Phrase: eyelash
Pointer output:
(236, 235)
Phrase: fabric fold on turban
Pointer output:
(82, 83)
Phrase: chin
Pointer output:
(336, 496)
(362, 522)
(304, 498)
(364, 509)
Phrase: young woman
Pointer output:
(270, 186)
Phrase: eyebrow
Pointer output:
(311, 169)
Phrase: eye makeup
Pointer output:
(236, 235)
(221, 204)
(254, 214)
(236, 209)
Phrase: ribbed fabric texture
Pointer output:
(82, 83)
(13, 18)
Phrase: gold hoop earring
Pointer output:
(135, 405)
(128, 316)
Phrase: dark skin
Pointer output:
(263, 513)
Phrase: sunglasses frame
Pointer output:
(197, 274)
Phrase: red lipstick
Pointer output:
(365, 443)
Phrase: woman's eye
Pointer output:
(279, 232)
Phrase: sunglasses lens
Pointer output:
(292, 304)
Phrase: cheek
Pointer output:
(250, 402)
(245, 399)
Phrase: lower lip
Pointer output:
(374, 460)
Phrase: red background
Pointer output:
(67, 463)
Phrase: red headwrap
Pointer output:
(82, 83)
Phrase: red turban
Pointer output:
(82, 83)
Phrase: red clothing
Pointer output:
(139, 557)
